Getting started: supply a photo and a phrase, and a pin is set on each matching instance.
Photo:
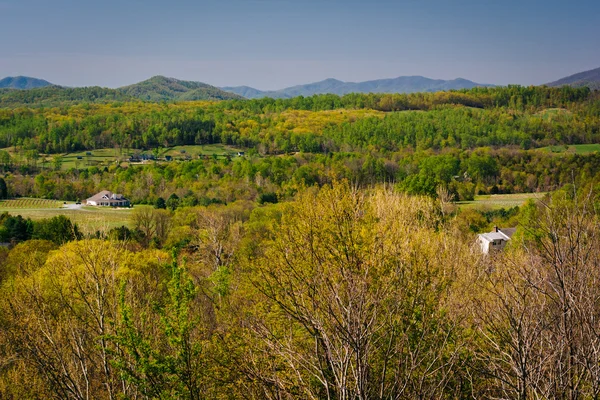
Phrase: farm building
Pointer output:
(495, 240)
(108, 199)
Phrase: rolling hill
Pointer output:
(160, 88)
(402, 84)
(23, 82)
(154, 89)
(589, 78)
(50, 96)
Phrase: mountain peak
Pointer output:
(589, 78)
(332, 80)
(161, 88)
(22, 83)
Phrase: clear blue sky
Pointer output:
(271, 44)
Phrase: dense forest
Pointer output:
(327, 259)
(484, 140)
(525, 117)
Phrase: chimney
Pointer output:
(496, 229)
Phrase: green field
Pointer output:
(97, 158)
(204, 150)
(573, 149)
(497, 201)
(89, 219)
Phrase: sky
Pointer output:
(271, 44)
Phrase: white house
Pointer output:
(495, 240)
(108, 199)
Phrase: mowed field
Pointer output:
(497, 201)
(89, 219)
(92, 158)
(200, 150)
(573, 149)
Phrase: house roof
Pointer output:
(491, 236)
(106, 195)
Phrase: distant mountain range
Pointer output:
(589, 78)
(22, 90)
(402, 84)
(23, 82)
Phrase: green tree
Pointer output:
(57, 229)
(166, 364)
(57, 162)
(160, 203)
(172, 202)
(3, 189)
(354, 306)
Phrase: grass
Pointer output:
(572, 149)
(497, 201)
(97, 158)
(204, 150)
(89, 219)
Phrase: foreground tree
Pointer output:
(356, 287)
(541, 317)
(59, 317)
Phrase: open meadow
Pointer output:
(573, 149)
(498, 201)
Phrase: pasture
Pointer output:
(200, 150)
(572, 149)
(92, 158)
(498, 201)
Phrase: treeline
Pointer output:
(16, 229)
(51, 96)
(342, 293)
(520, 116)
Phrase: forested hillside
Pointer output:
(52, 96)
(160, 88)
(490, 138)
(589, 79)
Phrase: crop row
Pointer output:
(29, 203)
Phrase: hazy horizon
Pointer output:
(272, 44)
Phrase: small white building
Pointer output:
(495, 240)
(108, 199)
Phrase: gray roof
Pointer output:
(502, 234)
(491, 236)
(107, 195)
